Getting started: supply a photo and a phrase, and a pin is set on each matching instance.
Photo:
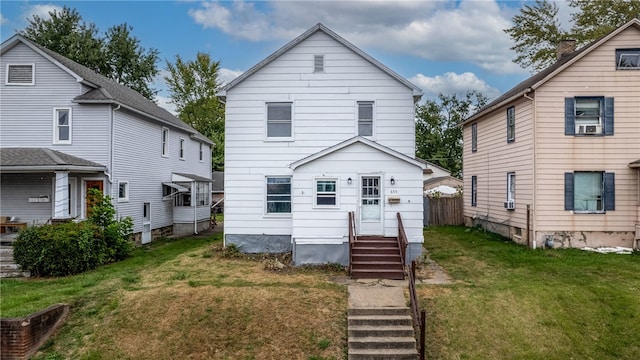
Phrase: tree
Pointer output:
(193, 85)
(537, 29)
(118, 55)
(438, 130)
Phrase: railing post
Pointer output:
(423, 326)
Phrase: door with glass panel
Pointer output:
(370, 206)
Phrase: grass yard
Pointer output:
(510, 302)
(189, 299)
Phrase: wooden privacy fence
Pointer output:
(443, 211)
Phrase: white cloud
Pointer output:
(227, 75)
(165, 102)
(464, 31)
(451, 83)
(3, 20)
(41, 10)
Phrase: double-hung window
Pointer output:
(474, 137)
(628, 59)
(62, 126)
(474, 190)
(201, 152)
(588, 115)
(511, 191)
(365, 118)
(511, 124)
(278, 194)
(123, 191)
(183, 144)
(589, 191)
(279, 120)
(165, 142)
(326, 192)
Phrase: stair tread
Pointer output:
(376, 339)
(379, 317)
(383, 351)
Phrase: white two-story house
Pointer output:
(65, 129)
(316, 130)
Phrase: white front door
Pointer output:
(370, 206)
(146, 224)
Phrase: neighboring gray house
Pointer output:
(65, 129)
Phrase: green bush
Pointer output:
(71, 248)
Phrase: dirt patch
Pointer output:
(429, 272)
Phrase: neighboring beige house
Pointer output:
(564, 148)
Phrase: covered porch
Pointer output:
(191, 197)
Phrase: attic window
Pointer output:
(318, 63)
(627, 59)
(20, 74)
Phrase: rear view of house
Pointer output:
(315, 131)
(66, 129)
(555, 161)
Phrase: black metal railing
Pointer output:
(352, 238)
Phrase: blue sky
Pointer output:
(442, 46)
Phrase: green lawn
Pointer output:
(507, 301)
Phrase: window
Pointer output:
(627, 59)
(182, 148)
(123, 191)
(202, 193)
(365, 118)
(326, 192)
(587, 116)
(278, 195)
(183, 198)
(589, 191)
(20, 74)
(474, 137)
(201, 152)
(474, 191)
(511, 124)
(279, 120)
(511, 191)
(318, 63)
(165, 142)
(62, 126)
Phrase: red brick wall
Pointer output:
(21, 337)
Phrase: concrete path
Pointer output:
(377, 293)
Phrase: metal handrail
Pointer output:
(352, 237)
(419, 323)
(402, 239)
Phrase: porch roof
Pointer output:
(44, 159)
(183, 177)
(635, 164)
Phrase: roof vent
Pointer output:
(318, 63)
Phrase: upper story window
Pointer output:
(278, 199)
(280, 120)
(318, 63)
(326, 192)
(511, 124)
(474, 137)
(628, 59)
(183, 144)
(588, 116)
(589, 191)
(20, 74)
(62, 126)
(201, 152)
(165, 142)
(365, 118)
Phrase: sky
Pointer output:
(447, 47)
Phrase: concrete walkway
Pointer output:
(377, 293)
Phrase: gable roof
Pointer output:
(430, 164)
(105, 90)
(41, 159)
(417, 92)
(353, 140)
(545, 75)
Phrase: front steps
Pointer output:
(8, 267)
(376, 257)
(381, 333)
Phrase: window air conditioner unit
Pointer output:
(588, 129)
(510, 205)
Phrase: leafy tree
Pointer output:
(118, 55)
(537, 29)
(438, 130)
(193, 85)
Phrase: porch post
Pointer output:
(61, 206)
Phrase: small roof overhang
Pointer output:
(178, 189)
(182, 177)
(635, 164)
(34, 160)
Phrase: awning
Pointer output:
(182, 177)
(178, 189)
(635, 164)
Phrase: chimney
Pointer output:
(565, 47)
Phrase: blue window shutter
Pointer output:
(608, 116)
(568, 191)
(609, 191)
(569, 116)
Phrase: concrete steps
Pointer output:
(8, 267)
(381, 333)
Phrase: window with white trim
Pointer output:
(365, 118)
(279, 120)
(62, 126)
(318, 63)
(183, 144)
(326, 192)
(628, 59)
(278, 195)
(165, 142)
(123, 191)
(202, 193)
(20, 74)
(511, 188)
(589, 191)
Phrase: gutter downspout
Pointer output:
(109, 173)
(532, 242)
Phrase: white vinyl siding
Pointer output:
(62, 126)
(20, 74)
